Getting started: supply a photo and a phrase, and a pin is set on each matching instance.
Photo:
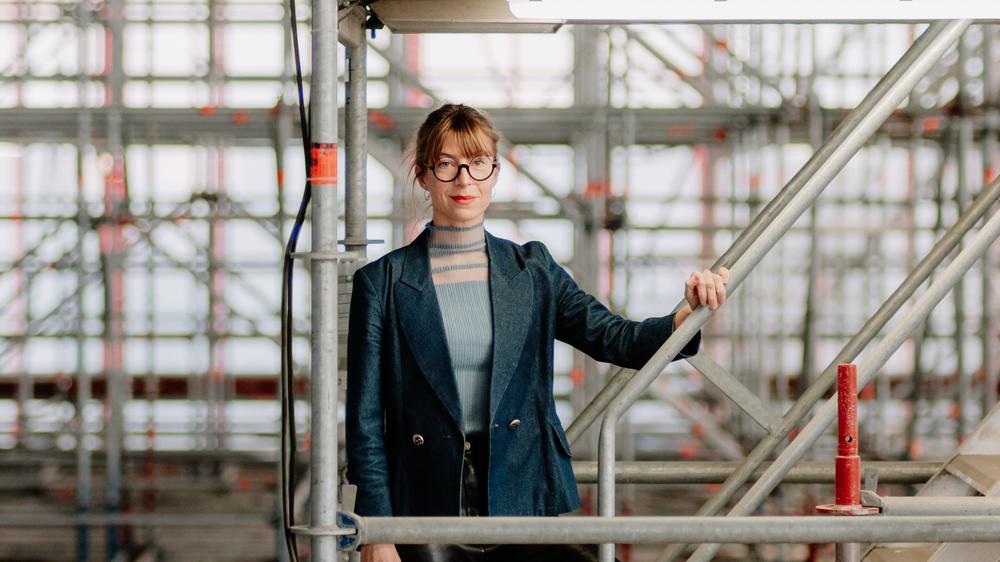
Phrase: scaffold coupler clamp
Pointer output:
(347, 530)
(349, 521)
(847, 469)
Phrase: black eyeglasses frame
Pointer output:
(468, 170)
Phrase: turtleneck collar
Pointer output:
(457, 254)
(450, 236)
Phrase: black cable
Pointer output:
(287, 393)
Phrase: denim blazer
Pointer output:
(404, 421)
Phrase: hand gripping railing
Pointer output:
(846, 140)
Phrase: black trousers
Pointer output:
(474, 503)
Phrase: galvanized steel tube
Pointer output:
(356, 135)
(651, 530)
(115, 208)
(714, 472)
(991, 363)
(582, 530)
(940, 506)
(323, 376)
(84, 469)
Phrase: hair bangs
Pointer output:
(472, 139)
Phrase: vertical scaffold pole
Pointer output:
(84, 469)
(323, 272)
(112, 243)
(356, 132)
(991, 362)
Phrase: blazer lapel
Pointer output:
(421, 322)
(512, 298)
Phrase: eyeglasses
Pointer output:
(481, 168)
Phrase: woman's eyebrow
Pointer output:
(445, 154)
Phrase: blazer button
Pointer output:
(418, 439)
(514, 424)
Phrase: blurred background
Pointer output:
(151, 164)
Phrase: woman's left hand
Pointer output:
(704, 288)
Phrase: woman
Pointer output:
(449, 390)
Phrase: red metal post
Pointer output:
(847, 475)
(847, 468)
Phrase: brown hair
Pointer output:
(473, 131)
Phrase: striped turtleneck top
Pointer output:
(460, 271)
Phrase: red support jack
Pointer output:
(847, 469)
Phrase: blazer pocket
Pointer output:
(560, 438)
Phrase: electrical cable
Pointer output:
(287, 382)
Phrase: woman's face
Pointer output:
(461, 202)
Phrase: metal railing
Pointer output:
(819, 171)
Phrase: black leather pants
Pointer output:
(474, 503)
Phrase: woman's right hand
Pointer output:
(379, 553)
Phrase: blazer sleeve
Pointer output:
(586, 324)
(367, 464)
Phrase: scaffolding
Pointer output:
(162, 285)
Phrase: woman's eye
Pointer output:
(445, 164)
(479, 161)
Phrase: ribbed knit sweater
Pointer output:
(460, 271)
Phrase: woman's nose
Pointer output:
(464, 176)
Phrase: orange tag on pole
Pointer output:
(324, 164)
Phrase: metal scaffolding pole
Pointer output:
(23, 283)
(884, 98)
(714, 472)
(356, 133)
(920, 338)
(84, 471)
(916, 506)
(587, 530)
(646, 530)
(991, 362)
(26, 291)
(591, 163)
(963, 187)
(115, 207)
(323, 270)
(809, 324)
(867, 370)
